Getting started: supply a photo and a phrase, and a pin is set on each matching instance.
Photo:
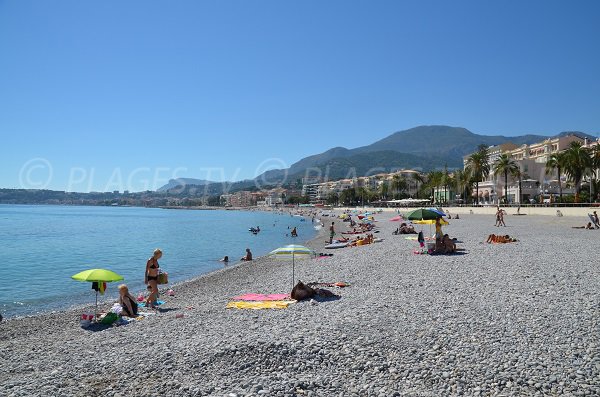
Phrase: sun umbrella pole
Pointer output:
(96, 312)
(293, 270)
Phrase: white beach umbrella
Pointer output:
(293, 252)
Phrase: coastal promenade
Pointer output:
(512, 319)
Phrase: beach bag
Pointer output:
(163, 278)
(110, 318)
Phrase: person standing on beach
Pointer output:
(438, 233)
(331, 232)
(151, 278)
(502, 218)
(596, 220)
(498, 215)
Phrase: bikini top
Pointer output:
(154, 264)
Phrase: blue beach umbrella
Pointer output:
(441, 213)
(293, 252)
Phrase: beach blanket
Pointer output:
(261, 297)
(157, 303)
(283, 304)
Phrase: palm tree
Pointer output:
(577, 162)
(418, 178)
(595, 154)
(398, 184)
(383, 190)
(505, 165)
(478, 167)
(517, 173)
(445, 180)
(434, 179)
(556, 161)
(461, 179)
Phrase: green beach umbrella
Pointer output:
(99, 276)
(293, 252)
(422, 214)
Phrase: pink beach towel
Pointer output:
(262, 297)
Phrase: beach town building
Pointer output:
(531, 160)
(319, 192)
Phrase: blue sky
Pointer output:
(113, 95)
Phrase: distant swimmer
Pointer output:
(225, 259)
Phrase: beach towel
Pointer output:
(339, 284)
(157, 303)
(261, 297)
(283, 304)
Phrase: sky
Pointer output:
(108, 95)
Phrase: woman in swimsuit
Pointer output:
(127, 302)
(152, 277)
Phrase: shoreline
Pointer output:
(87, 307)
(82, 304)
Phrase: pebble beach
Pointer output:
(514, 319)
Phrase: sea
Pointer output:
(42, 246)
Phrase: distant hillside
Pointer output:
(439, 139)
(423, 148)
(173, 183)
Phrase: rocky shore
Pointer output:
(496, 320)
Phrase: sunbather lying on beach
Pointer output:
(588, 226)
(492, 238)
(302, 291)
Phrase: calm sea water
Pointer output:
(43, 246)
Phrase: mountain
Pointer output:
(183, 182)
(579, 134)
(423, 148)
(442, 140)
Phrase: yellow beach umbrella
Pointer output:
(430, 222)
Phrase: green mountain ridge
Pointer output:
(423, 148)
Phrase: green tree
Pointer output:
(577, 162)
(362, 194)
(595, 154)
(434, 180)
(478, 167)
(505, 165)
(418, 178)
(398, 184)
(517, 173)
(446, 181)
(333, 198)
(384, 190)
(556, 161)
(348, 196)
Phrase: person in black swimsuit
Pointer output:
(152, 277)
(127, 302)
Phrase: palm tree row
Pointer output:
(478, 167)
(575, 162)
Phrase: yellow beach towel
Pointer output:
(260, 304)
